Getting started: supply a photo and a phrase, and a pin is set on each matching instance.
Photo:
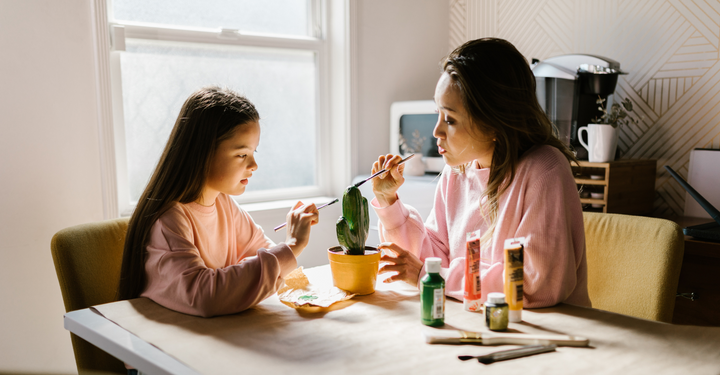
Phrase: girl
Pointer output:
(188, 246)
(506, 175)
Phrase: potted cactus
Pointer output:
(354, 266)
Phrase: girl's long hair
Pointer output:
(208, 117)
(498, 91)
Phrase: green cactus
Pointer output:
(352, 227)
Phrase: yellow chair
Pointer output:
(87, 260)
(633, 264)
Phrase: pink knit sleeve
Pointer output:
(178, 278)
(438, 245)
(401, 225)
(250, 236)
(552, 224)
(404, 226)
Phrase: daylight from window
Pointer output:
(158, 75)
(266, 16)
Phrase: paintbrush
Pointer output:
(382, 171)
(281, 226)
(509, 354)
(444, 336)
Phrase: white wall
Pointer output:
(49, 147)
(48, 167)
(400, 44)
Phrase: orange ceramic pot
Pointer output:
(354, 273)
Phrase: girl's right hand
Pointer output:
(299, 220)
(386, 185)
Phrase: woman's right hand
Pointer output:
(386, 185)
(404, 264)
(299, 220)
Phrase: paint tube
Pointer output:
(513, 276)
(473, 295)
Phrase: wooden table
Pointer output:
(382, 334)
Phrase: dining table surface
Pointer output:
(382, 333)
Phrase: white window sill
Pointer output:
(285, 204)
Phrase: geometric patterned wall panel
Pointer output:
(670, 49)
(458, 31)
(691, 61)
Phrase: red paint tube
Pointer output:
(473, 294)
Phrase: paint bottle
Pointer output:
(472, 296)
(496, 312)
(513, 277)
(432, 294)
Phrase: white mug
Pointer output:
(602, 142)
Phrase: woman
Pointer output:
(507, 175)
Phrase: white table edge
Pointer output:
(122, 344)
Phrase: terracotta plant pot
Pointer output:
(354, 273)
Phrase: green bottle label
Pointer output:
(438, 308)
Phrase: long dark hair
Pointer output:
(498, 91)
(208, 117)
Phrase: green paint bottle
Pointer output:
(432, 294)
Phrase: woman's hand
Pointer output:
(386, 185)
(404, 263)
(299, 220)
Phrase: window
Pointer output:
(275, 52)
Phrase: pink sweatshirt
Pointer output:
(211, 261)
(542, 204)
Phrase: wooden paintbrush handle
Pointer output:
(531, 339)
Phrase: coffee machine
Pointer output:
(568, 87)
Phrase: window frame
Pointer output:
(330, 42)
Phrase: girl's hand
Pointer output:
(386, 185)
(404, 263)
(299, 220)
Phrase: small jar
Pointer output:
(496, 312)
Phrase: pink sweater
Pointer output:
(542, 204)
(211, 261)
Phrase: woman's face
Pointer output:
(234, 162)
(459, 140)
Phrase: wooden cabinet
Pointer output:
(621, 186)
(698, 301)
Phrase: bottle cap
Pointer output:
(432, 265)
(496, 297)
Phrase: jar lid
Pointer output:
(496, 297)
(432, 265)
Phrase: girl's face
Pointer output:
(459, 140)
(233, 163)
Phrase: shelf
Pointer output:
(587, 208)
(628, 186)
(587, 181)
(592, 201)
